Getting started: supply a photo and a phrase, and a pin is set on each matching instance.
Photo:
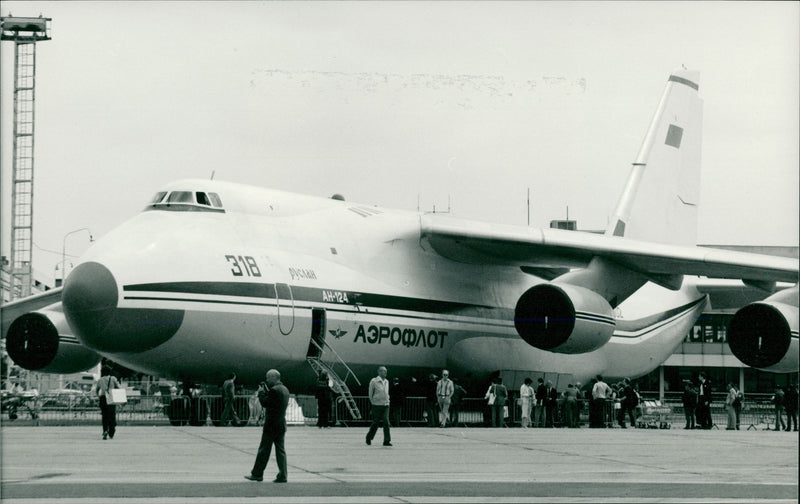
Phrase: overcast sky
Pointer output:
(404, 104)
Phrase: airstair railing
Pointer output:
(339, 385)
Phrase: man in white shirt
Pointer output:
(379, 397)
(444, 393)
(600, 392)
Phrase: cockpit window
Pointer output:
(186, 201)
(180, 197)
(215, 201)
(208, 199)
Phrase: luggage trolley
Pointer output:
(655, 415)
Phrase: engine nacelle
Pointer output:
(42, 341)
(564, 318)
(763, 335)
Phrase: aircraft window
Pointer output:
(180, 197)
(215, 201)
(186, 201)
(202, 199)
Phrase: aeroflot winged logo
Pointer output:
(338, 333)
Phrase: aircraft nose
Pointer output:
(90, 300)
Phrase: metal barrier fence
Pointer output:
(75, 409)
(69, 409)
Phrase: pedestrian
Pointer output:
(526, 402)
(689, 399)
(777, 401)
(444, 394)
(790, 405)
(108, 412)
(737, 405)
(379, 397)
(601, 393)
(228, 398)
(324, 400)
(730, 397)
(628, 401)
(431, 401)
(538, 405)
(550, 404)
(274, 398)
(501, 403)
(399, 394)
(571, 411)
(459, 393)
(490, 397)
(703, 410)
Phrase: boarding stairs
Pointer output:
(339, 385)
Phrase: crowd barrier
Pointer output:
(69, 409)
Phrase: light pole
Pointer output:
(64, 251)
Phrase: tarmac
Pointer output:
(172, 465)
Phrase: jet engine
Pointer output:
(564, 318)
(761, 334)
(42, 341)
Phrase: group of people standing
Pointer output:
(785, 401)
(697, 400)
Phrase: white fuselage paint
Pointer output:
(388, 298)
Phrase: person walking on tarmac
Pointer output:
(228, 398)
(379, 397)
(444, 394)
(108, 411)
(274, 397)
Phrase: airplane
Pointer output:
(215, 277)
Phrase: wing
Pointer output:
(10, 311)
(536, 249)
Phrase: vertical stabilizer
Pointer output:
(661, 197)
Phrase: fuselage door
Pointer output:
(317, 343)
(285, 302)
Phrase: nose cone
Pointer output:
(90, 300)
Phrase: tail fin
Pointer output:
(661, 198)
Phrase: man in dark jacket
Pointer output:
(629, 401)
(274, 397)
(689, 403)
(539, 415)
(228, 398)
(703, 411)
(324, 401)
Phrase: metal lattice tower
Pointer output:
(25, 33)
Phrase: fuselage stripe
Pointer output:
(434, 309)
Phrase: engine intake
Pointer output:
(39, 341)
(760, 335)
(564, 318)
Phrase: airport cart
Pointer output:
(655, 415)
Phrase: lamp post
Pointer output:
(64, 250)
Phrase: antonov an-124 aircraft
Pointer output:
(214, 277)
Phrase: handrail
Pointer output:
(328, 346)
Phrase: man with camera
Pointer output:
(274, 397)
